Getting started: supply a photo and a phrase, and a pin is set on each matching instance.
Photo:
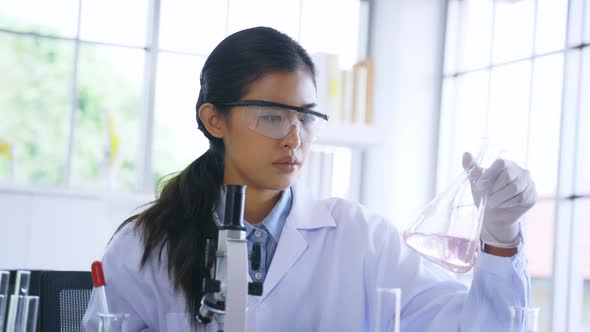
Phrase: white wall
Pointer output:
(52, 229)
(407, 48)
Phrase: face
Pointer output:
(260, 162)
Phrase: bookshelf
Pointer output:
(336, 165)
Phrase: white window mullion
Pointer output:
(227, 4)
(564, 215)
(146, 140)
(438, 98)
(300, 21)
(73, 102)
(531, 84)
(490, 59)
(579, 225)
(576, 288)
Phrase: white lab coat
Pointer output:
(332, 256)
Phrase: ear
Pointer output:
(213, 120)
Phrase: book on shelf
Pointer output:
(346, 95)
(329, 85)
(363, 92)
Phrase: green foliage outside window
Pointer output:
(35, 102)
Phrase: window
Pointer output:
(36, 86)
(73, 89)
(89, 103)
(515, 71)
(106, 147)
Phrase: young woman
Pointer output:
(322, 260)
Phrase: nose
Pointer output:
(293, 138)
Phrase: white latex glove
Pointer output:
(511, 192)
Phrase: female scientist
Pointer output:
(322, 260)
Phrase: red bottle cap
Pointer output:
(97, 274)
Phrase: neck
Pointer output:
(259, 203)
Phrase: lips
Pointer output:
(288, 160)
(287, 164)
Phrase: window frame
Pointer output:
(567, 279)
(144, 183)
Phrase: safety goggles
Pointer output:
(276, 120)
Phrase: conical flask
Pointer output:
(447, 230)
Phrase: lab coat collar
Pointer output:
(307, 213)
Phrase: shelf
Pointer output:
(79, 193)
(351, 135)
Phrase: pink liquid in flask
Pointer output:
(454, 253)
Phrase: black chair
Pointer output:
(63, 298)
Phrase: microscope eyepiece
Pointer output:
(234, 207)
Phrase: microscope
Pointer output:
(226, 287)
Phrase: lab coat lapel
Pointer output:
(306, 213)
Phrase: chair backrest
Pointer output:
(64, 297)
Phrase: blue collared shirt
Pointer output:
(267, 233)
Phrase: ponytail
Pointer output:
(181, 220)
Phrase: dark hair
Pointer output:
(181, 218)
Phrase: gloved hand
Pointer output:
(511, 192)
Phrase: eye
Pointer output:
(271, 118)
(307, 119)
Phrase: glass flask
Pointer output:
(447, 230)
(523, 319)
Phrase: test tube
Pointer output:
(524, 319)
(4, 281)
(21, 289)
(387, 316)
(112, 322)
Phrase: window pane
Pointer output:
(545, 123)
(513, 32)
(125, 21)
(177, 141)
(445, 140)
(584, 131)
(583, 216)
(551, 25)
(59, 17)
(509, 108)
(36, 100)
(182, 23)
(476, 34)
(107, 123)
(469, 122)
(281, 15)
(462, 122)
(539, 242)
(340, 36)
